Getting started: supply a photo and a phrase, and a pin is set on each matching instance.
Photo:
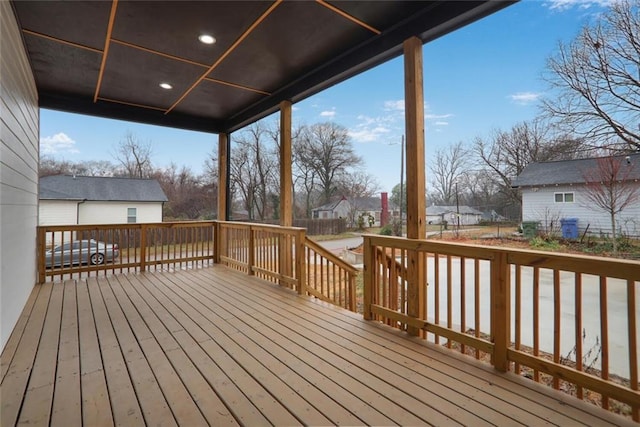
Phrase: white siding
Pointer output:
(538, 204)
(116, 212)
(58, 212)
(19, 155)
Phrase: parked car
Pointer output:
(81, 252)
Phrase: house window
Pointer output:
(564, 197)
(131, 215)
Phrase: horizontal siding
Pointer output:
(19, 120)
(116, 212)
(538, 204)
(58, 212)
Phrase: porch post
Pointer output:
(286, 180)
(414, 124)
(286, 251)
(223, 175)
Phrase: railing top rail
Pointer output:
(80, 227)
(585, 264)
(330, 256)
(259, 226)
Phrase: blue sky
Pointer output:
(483, 77)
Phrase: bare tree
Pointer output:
(324, 153)
(596, 79)
(611, 188)
(507, 153)
(134, 156)
(447, 168)
(254, 170)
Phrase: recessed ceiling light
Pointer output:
(166, 86)
(207, 39)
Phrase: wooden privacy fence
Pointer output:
(568, 321)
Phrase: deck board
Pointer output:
(216, 347)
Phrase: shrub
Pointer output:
(387, 230)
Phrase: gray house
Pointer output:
(552, 191)
(466, 214)
(351, 209)
(66, 199)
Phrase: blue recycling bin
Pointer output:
(569, 228)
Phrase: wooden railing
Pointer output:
(568, 321)
(140, 247)
(266, 251)
(329, 278)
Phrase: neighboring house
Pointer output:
(466, 214)
(66, 199)
(351, 209)
(552, 191)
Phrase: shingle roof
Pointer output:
(566, 171)
(67, 187)
(439, 210)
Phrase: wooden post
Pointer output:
(368, 278)
(143, 247)
(252, 252)
(223, 175)
(500, 310)
(414, 124)
(41, 248)
(285, 249)
(301, 272)
(217, 243)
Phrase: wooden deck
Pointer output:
(216, 347)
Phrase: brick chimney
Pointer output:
(384, 214)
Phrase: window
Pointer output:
(563, 197)
(131, 215)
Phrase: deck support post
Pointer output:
(223, 176)
(285, 250)
(500, 310)
(143, 247)
(414, 124)
(41, 245)
(369, 277)
(301, 272)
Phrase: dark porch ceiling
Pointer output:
(108, 58)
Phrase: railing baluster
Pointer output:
(536, 319)
(604, 336)
(449, 297)
(578, 326)
(436, 284)
(632, 315)
(518, 314)
(463, 301)
(476, 308)
(557, 327)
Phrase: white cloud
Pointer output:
(328, 113)
(441, 123)
(430, 116)
(394, 105)
(57, 143)
(563, 5)
(524, 98)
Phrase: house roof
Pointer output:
(440, 210)
(567, 171)
(107, 58)
(91, 188)
(360, 203)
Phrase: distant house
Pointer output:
(66, 199)
(451, 214)
(552, 191)
(351, 209)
